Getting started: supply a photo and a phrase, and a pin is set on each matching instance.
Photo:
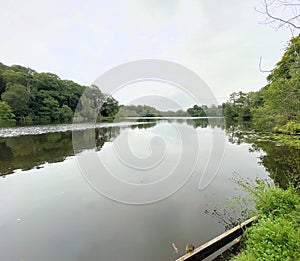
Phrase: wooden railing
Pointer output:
(218, 242)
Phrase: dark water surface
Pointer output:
(50, 212)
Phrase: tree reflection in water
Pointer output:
(280, 159)
(32, 151)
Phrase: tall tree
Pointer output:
(278, 103)
(282, 95)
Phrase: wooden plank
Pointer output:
(213, 245)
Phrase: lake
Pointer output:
(57, 203)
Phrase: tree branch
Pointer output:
(260, 69)
(268, 9)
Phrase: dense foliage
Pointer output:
(6, 113)
(276, 107)
(32, 97)
(28, 96)
(276, 234)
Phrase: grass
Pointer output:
(276, 234)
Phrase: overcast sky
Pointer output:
(219, 40)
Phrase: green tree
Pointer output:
(110, 107)
(10, 76)
(196, 111)
(22, 69)
(90, 103)
(46, 81)
(71, 93)
(44, 97)
(2, 82)
(6, 113)
(49, 111)
(281, 97)
(238, 107)
(288, 63)
(278, 103)
(17, 97)
(65, 114)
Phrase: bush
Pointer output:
(274, 201)
(272, 239)
(292, 128)
(276, 234)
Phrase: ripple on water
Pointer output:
(40, 129)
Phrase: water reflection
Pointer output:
(32, 151)
(196, 122)
(26, 152)
(55, 210)
(281, 161)
(205, 122)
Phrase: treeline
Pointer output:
(27, 96)
(148, 111)
(32, 97)
(275, 107)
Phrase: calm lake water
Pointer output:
(51, 211)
